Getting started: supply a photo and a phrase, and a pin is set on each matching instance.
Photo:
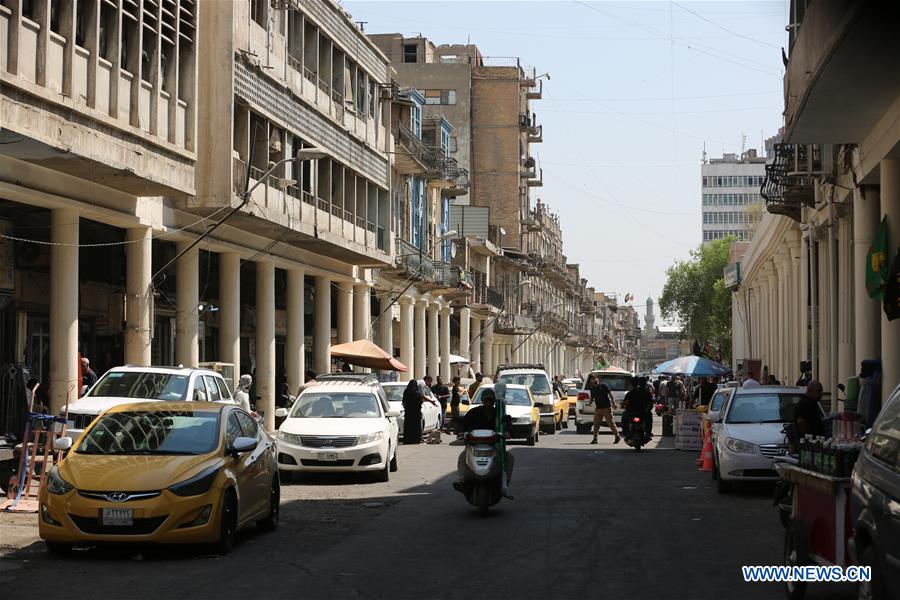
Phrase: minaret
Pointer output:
(649, 319)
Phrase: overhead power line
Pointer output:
(723, 28)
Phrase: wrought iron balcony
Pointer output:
(413, 261)
(788, 184)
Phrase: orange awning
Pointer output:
(365, 353)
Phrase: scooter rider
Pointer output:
(483, 416)
(638, 403)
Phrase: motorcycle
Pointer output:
(635, 436)
(483, 482)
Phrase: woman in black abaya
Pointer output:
(412, 409)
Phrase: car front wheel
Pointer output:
(227, 524)
(270, 523)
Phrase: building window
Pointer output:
(440, 97)
(410, 52)
(259, 12)
(415, 121)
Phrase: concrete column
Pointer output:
(138, 269)
(475, 345)
(781, 321)
(445, 343)
(322, 326)
(406, 335)
(187, 292)
(386, 332)
(794, 356)
(433, 346)
(265, 341)
(64, 384)
(846, 346)
(465, 321)
(230, 311)
(890, 330)
(362, 312)
(420, 346)
(516, 350)
(295, 341)
(866, 310)
(344, 312)
(487, 367)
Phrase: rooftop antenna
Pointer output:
(704, 152)
(362, 25)
(743, 144)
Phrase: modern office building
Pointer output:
(731, 203)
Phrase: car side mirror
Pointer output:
(393, 413)
(464, 401)
(281, 413)
(243, 444)
(713, 417)
(62, 444)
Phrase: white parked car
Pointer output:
(431, 408)
(535, 377)
(124, 385)
(343, 423)
(619, 383)
(748, 433)
(521, 408)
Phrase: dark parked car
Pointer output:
(875, 504)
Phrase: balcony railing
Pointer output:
(493, 297)
(413, 261)
(788, 184)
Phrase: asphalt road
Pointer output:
(587, 521)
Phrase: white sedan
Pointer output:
(431, 408)
(748, 433)
(331, 428)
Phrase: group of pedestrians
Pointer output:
(416, 394)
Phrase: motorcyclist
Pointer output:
(482, 416)
(638, 403)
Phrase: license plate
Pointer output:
(327, 456)
(117, 516)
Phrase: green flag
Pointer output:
(877, 263)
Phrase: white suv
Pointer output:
(535, 377)
(124, 385)
(343, 423)
(618, 382)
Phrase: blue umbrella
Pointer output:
(693, 366)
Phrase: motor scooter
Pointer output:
(636, 437)
(483, 481)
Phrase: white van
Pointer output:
(618, 381)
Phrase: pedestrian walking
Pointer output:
(442, 392)
(88, 377)
(412, 409)
(808, 411)
(455, 397)
(242, 392)
(604, 404)
(475, 385)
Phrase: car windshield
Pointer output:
(538, 382)
(153, 432)
(394, 392)
(514, 397)
(762, 408)
(141, 384)
(323, 405)
(616, 383)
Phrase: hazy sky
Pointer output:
(635, 90)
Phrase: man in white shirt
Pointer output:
(242, 393)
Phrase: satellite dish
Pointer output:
(452, 249)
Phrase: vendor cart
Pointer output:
(820, 524)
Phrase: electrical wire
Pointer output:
(723, 28)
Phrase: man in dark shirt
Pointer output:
(638, 403)
(604, 404)
(808, 412)
(482, 416)
(442, 392)
(455, 398)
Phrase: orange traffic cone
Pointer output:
(707, 454)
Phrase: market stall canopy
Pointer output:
(456, 359)
(365, 353)
(692, 366)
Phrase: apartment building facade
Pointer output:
(833, 182)
(103, 165)
(731, 203)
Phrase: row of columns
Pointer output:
(353, 319)
(824, 268)
(424, 336)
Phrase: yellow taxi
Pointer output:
(161, 472)
(554, 407)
